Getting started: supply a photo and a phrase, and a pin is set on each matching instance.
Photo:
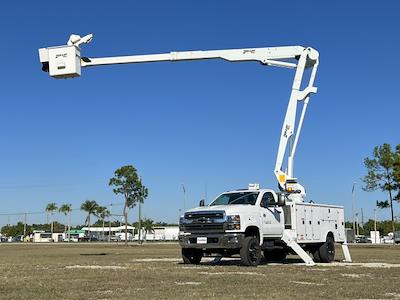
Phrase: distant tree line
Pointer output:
(384, 227)
(18, 229)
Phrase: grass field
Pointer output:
(152, 271)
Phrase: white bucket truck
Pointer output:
(251, 221)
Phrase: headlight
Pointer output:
(233, 222)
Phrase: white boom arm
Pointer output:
(66, 61)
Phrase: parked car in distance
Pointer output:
(17, 239)
(88, 238)
(74, 239)
(121, 236)
(363, 240)
(115, 238)
(396, 237)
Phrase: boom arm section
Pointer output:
(66, 62)
(290, 136)
(266, 56)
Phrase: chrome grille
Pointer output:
(204, 222)
(205, 214)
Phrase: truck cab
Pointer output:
(231, 220)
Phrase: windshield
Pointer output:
(236, 198)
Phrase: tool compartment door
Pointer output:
(341, 232)
(300, 222)
(316, 223)
(308, 210)
(312, 230)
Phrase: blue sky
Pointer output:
(211, 125)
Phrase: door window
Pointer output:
(267, 200)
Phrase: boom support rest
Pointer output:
(346, 252)
(289, 238)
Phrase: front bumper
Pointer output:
(214, 241)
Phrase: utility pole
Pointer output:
(362, 218)
(24, 225)
(140, 214)
(109, 224)
(375, 223)
(69, 225)
(358, 233)
(184, 197)
(352, 207)
(140, 224)
(205, 192)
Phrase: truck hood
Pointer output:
(229, 209)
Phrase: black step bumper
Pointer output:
(214, 241)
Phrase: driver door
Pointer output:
(272, 218)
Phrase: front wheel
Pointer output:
(250, 253)
(191, 256)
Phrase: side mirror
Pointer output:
(201, 203)
(281, 200)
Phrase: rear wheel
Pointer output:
(315, 254)
(327, 250)
(191, 256)
(250, 253)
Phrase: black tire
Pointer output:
(250, 253)
(327, 250)
(191, 256)
(275, 255)
(315, 254)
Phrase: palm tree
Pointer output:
(89, 206)
(51, 208)
(148, 226)
(102, 213)
(66, 210)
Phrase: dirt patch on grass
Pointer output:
(231, 273)
(96, 267)
(393, 295)
(188, 283)
(366, 265)
(306, 283)
(156, 260)
(356, 275)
